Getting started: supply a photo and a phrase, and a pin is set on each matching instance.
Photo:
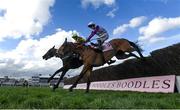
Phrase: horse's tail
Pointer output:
(137, 47)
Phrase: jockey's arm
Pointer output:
(92, 34)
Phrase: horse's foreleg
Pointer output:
(85, 69)
(88, 79)
(59, 70)
(60, 79)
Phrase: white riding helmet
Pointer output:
(91, 24)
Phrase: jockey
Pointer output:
(101, 33)
(78, 39)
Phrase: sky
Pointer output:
(28, 28)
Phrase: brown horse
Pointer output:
(91, 58)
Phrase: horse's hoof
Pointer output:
(49, 80)
(87, 92)
(70, 89)
(53, 90)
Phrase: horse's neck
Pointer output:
(56, 53)
(79, 51)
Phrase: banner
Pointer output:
(164, 84)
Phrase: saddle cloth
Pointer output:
(107, 46)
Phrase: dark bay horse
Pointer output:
(91, 58)
(69, 62)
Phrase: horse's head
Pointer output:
(66, 48)
(50, 53)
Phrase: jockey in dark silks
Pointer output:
(101, 33)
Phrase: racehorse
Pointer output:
(92, 58)
(69, 62)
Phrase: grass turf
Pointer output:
(39, 98)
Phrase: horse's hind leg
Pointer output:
(134, 55)
(60, 79)
(119, 55)
(136, 48)
(140, 54)
(123, 55)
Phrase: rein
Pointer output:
(65, 57)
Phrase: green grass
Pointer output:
(21, 98)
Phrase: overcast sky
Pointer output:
(28, 28)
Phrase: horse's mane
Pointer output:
(72, 44)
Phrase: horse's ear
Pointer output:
(65, 41)
(53, 47)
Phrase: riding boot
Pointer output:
(100, 48)
(100, 45)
